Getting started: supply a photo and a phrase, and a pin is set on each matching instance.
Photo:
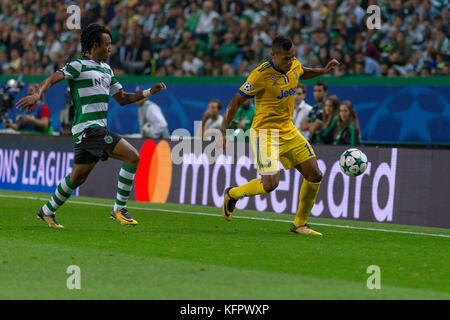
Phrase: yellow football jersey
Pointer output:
(274, 93)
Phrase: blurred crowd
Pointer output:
(226, 37)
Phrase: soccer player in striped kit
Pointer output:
(91, 83)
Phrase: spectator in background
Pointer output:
(205, 25)
(353, 27)
(370, 66)
(146, 64)
(37, 119)
(352, 7)
(329, 121)
(66, 115)
(229, 50)
(313, 123)
(212, 119)
(40, 26)
(152, 123)
(347, 131)
(401, 50)
(384, 68)
(301, 109)
(332, 15)
(308, 18)
(159, 34)
(193, 17)
(243, 119)
(427, 12)
(191, 65)
(4, 62)
(440, 42)
(16, 60)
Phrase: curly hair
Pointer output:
(90, 35)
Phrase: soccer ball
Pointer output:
(353, 162)
(146, 128)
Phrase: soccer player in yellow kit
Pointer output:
(273, 135)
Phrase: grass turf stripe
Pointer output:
(238, 217)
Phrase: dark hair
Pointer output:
(322, 84)
(326, 118)
(281, 43)
(219, 103)
(90, 35)
(302, 86)
(353, 119)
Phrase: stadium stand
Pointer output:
(183, 38)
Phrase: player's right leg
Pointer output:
(265, 184)
(125, 152)
(267, 163)
(63, 192)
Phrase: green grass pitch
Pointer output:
(192, 252)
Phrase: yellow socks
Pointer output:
(307, 198)
(251, 188)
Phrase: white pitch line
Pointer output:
(236, 217)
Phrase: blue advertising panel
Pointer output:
(388, 113)
(33, 163)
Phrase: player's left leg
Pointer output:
(296, 152)
(66, 187)
(125, 152)
(308, 194)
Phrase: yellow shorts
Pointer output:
(290, 149)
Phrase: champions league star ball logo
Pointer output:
(247, 87)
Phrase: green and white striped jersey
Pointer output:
(91, 83)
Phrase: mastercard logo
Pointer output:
(154, 174)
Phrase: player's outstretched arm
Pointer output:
(124, 98)
(230, 112)
(31, 100)
(309, 73)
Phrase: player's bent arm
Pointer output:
(124, 98)
(231, 110)
(31, 100)
(309, 73)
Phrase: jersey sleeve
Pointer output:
(71, 70)
(300, 70)
(253, 85)
(115, 85)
